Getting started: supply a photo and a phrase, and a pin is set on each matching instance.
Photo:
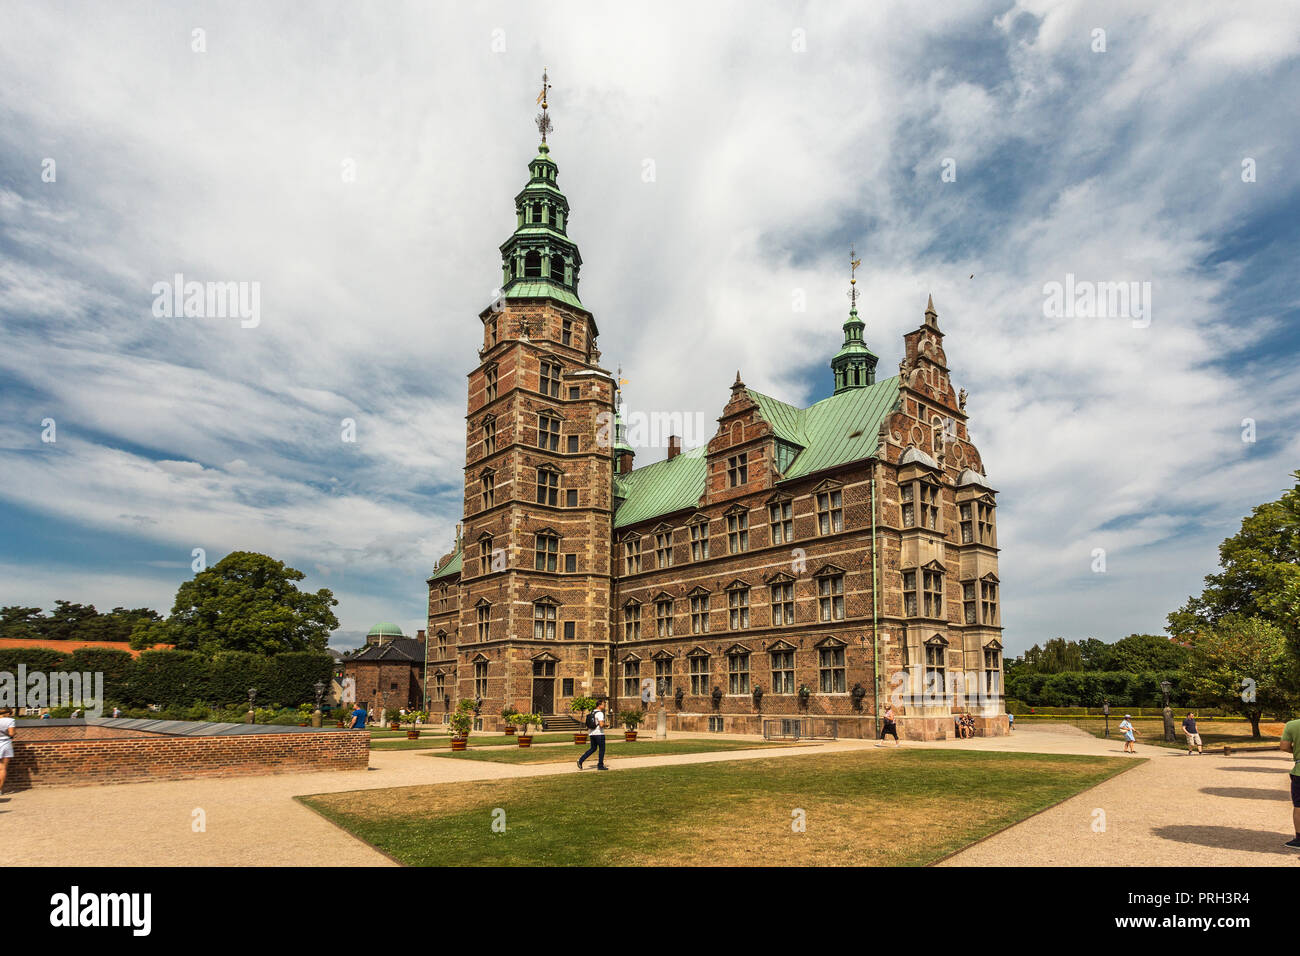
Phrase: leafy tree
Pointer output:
(1259, 576)
(1243, 664)
(1146, 652)
(245, 602)
(1053, 657)
(21, 622)
(1096, 654)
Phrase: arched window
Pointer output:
(533, 265)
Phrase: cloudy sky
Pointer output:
(359, 164)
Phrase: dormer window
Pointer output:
(738, 470)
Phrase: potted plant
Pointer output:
(526, 722)
(630, 719)
(509, 715)
(304, 715)
(580, 706)
(461, 722)
(804, 693)
(413, 718)
(758, 697)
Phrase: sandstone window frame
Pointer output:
(831, 592)
(992, 668)
(699, 531)
(632, 546)
(697, 666)
(491, 376)
(487, 489)
(738, 671)
(989, 603)
(549, 373)
(737, 529)
(738, 470)
(828, 503)
(546, 550)
(442, 642)
(832, 666)
(700, 607)
(545, 617)
(549, 423)
(969, 603)
(780, 519)
(485, 553)
(566, 332)
(911, 603)
(984, 515)
(783, 655)
(489, 435)
(781, 599)
(663, 547)
(548, 485)
(631, 676)
(483, 620)
(664, 616)
(632, 620)
(936, 665)
(663, 665)
(738, 606)
(481, 672)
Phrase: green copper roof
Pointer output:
(541, 289)
(385, 629)
(835, 431)
(450, 568)
(660, 488)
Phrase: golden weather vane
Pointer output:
(544, 118)
(854, 262)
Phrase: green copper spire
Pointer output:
(854, 364)
(539, 259)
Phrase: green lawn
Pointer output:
(872, 807)
(613, 750)
(435, 741)
(1151, 730)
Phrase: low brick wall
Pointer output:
(81, 732)
(148, 756)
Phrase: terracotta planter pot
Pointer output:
(580, 738)
(412, 735)
(458, 743)
(629, 736)
(395, 725)
(339, 723)
(510, 731)
(302, 723)
(525, 740)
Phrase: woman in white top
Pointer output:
(6, 743)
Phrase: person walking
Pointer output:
(596, 728)
(888, 726)
(1291, 744)
(1011, 721)
(358, 721)
(7, 725)
(1189, 729)
(1126, 727)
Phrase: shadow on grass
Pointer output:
(1226, 838)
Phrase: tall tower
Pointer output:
(538, 479)
(854, 364)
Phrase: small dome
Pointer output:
(385, 629)
(970, 476)
(915, 454)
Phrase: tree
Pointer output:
(1053, 657)
(1146, 652)
(245, 602)
(1096, 654)
(1259, 576)
(21, 622)
(1243, 664)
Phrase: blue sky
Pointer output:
(777, 134)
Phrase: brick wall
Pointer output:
(52, 763)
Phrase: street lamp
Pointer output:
(1105, 712)
(1166, 686)
(251, 717)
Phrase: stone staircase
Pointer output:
(566, 723)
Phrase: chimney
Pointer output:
(624, 462)
(674, 446)
(420, 635)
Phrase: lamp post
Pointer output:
(1105, 712)
(319, 688)
(1169, 713)
(251, 717)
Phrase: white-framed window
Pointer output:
(483, 615)
(543, 621)
(738, 672)
(664, 549)
(830, 669)
(738, 608)
(699, 670)
(783, 671)
(547, 555)
(632, 555)
(830, 597)
(631, 622)
(664, 676)
(481, 679)
(549, 381)
(488, 490)
(664, 618)
(548, 487)
(490, 382)
(737, 532)
(830, 512)
(782, 603)
(700, 613)
(632, 678)
(780, 516)
(489, 435)
(548, 432)
(699, 541)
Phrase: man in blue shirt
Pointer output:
(1193, 738)
(358, 719)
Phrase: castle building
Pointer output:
(810, 562)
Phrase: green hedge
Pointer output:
(186, 679)
(1091, 688)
